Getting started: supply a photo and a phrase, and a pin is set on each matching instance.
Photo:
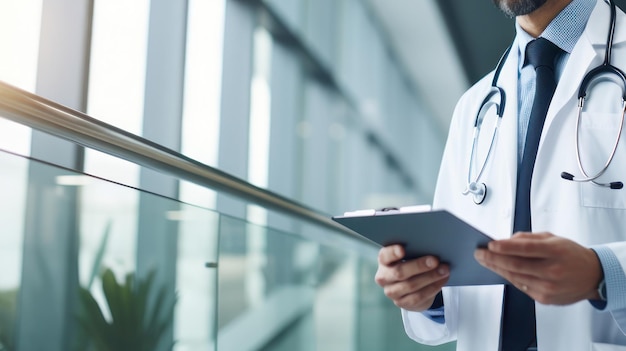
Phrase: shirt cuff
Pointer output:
(614, 278)
(435, 314)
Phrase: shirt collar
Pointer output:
(564, 30)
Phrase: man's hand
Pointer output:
(413, 284)
(550, 269)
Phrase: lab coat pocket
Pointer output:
(607, 347)
(597, 139)
(593, 195)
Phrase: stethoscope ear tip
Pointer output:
(612, 185)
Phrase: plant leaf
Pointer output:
(93, 322)
(97, 261)
(115, 300)
(139, 319)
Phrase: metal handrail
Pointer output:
(47, 116)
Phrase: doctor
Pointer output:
(571, 263)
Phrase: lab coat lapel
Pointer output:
(582, 59)
(507, 143)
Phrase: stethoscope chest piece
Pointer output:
(478, 191)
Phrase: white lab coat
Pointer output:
(583, 212)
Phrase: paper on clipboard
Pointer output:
(425, 232)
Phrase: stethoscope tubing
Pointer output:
(587, 177)
(605, 68)
(477, 128)
(479, 189)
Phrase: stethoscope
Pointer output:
(478, 189)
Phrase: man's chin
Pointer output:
(514, 8)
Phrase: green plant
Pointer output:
(8, 307)
(137, 322)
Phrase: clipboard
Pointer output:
(425, 232)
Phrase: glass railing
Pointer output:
(90, 264)
(143, 269)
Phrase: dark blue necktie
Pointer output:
(518, 322)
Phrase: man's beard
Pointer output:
(513, 8)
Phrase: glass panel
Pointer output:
(107, 253)
(260, 110)
(196, 279)
(300, 293)
(111, 244)
(13, 188)
(202, 91)
(20, 24)
(315, 123)
(290, 11)
(379, 322)
(117, 77)
(321, 29)
(286, 85)
(309, 289)
(353, 47)
(203, 80)
(118, 62)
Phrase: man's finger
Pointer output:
(513, 277)
(389, 255)
(524, 246)
(421, 300)
(417, 284)
(514, 264)
(400, 271)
